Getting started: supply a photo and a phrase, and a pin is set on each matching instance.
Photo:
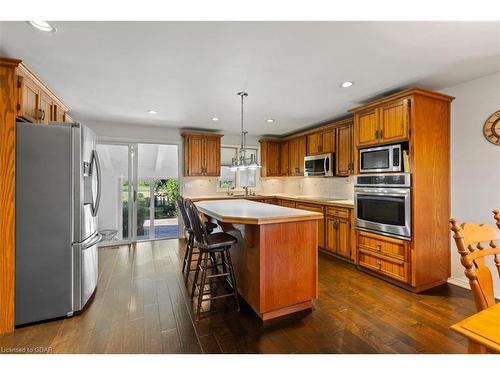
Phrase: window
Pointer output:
(237, 180)
(227, 179)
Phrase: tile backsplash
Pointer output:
(334, 187)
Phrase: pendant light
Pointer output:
(243, 162)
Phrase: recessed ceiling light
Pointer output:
(43, 26)
(152, 112)
(215, 119)
(270, 120)
(347, 84)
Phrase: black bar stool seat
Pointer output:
(217, 241)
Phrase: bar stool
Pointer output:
(188, 254)
(209, 245)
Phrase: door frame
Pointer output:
(133, 151)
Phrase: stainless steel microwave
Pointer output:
(319, 165)
(380, 159)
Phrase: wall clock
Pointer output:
(491, 128)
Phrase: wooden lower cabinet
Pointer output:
(270, 201)
(339, 232)
(286, 203)
(321, 223)
(384, 255)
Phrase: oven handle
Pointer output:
(386, 192)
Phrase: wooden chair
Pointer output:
(471, 239)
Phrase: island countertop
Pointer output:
(249, 212)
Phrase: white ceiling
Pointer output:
(191, 71)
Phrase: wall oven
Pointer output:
(319, 165)
(380, 159)
(382, 204)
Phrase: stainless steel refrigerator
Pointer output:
(57, 202)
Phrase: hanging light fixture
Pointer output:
(243, 162)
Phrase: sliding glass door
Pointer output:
(139, 191)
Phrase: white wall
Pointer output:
(475, 171)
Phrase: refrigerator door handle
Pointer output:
(96, 240)
(97, 164)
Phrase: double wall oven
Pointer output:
(382, 204)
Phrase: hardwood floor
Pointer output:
(142, 306)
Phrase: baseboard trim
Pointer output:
(464, 283)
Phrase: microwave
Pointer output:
(380, 159)
(319, 165)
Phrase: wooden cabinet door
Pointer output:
(194, 156)
(273, 161)
(394, 121)
(344, 151)
(314, 144)
(211, 154)
(367, 128)
(343, 237)
(28, 100)
(328, 142)
(45, 108)
(284, 158)
(270, 158)
(59, 114)
(293, 155)
(301, 154)
(297, 152)
(331, 234)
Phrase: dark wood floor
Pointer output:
(142, 306)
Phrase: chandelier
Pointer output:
(242, 162)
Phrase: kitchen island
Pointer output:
(276, 256)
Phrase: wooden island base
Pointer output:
(276, 257)
(276, 266)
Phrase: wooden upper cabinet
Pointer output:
(212, 156)
(36, 103)
(58, 114)
(328, 141)
(193, 163)
(201, 154)
(386, 123)
(46, 108)
(284, 158)
(344, 150)
(367, 127)
(28, 100)
(314, 144)
(270, 157)
(322, 142)
(297, 152)
(394, 121)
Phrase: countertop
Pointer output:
(245, 211)
(349, 203)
